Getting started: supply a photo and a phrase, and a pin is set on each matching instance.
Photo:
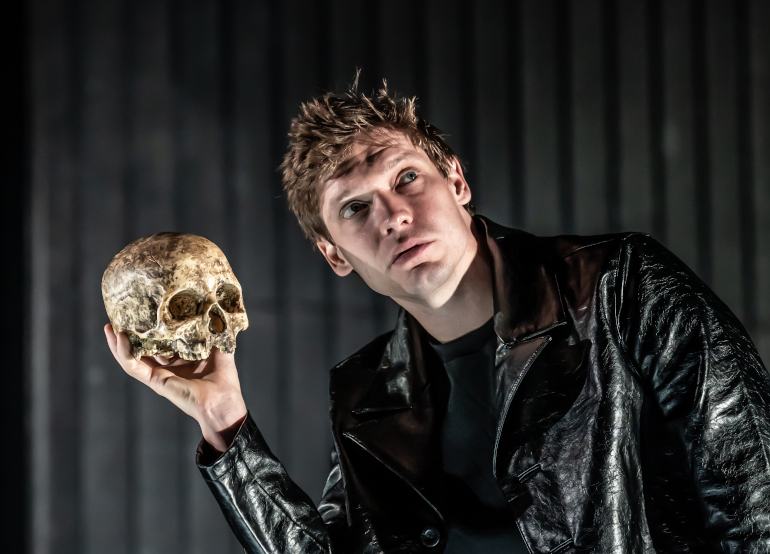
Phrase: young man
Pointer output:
(555, 394)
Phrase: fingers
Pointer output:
(224, 365)
(120, 346)
(112, 341)
(220, 358)
(151, 372)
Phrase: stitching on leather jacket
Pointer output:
(511, 394)
(527, 473)
(560, 547)
(396, 473)
(535, 335)
(579, 248)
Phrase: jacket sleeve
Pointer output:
(266, 510)
(697, 361)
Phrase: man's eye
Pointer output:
(352, 209)
(407, 177)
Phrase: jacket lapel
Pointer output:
(401, 374)
(401, 411)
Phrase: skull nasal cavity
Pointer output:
(216, 322)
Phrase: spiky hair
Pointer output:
(322, 137)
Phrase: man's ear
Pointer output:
(335, 258)
(457, 180)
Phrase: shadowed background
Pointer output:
(581, 116)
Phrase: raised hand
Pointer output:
(206, 390)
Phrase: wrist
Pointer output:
(220, 423)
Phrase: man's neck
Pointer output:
(469, 307)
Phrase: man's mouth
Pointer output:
(410, 252)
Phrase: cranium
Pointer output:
(174, 292)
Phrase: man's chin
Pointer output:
(423, 280)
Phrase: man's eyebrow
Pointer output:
(370, 160)
(398, 159)
(341, 197)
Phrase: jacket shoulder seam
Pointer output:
(622, 237)
(619, 300)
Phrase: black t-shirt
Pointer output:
(484, 522)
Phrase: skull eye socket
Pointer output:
(229, 298)
(183, 305)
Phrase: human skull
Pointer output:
(174, 292)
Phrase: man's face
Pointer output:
(397, 221)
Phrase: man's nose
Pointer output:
(394, 212)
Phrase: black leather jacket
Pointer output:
(636, 418)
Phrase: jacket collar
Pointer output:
(527, 304)
(401, 375)
(526, 293)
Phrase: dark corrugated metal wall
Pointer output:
(582, 116)
(14, 195)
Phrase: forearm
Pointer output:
(265, 509)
